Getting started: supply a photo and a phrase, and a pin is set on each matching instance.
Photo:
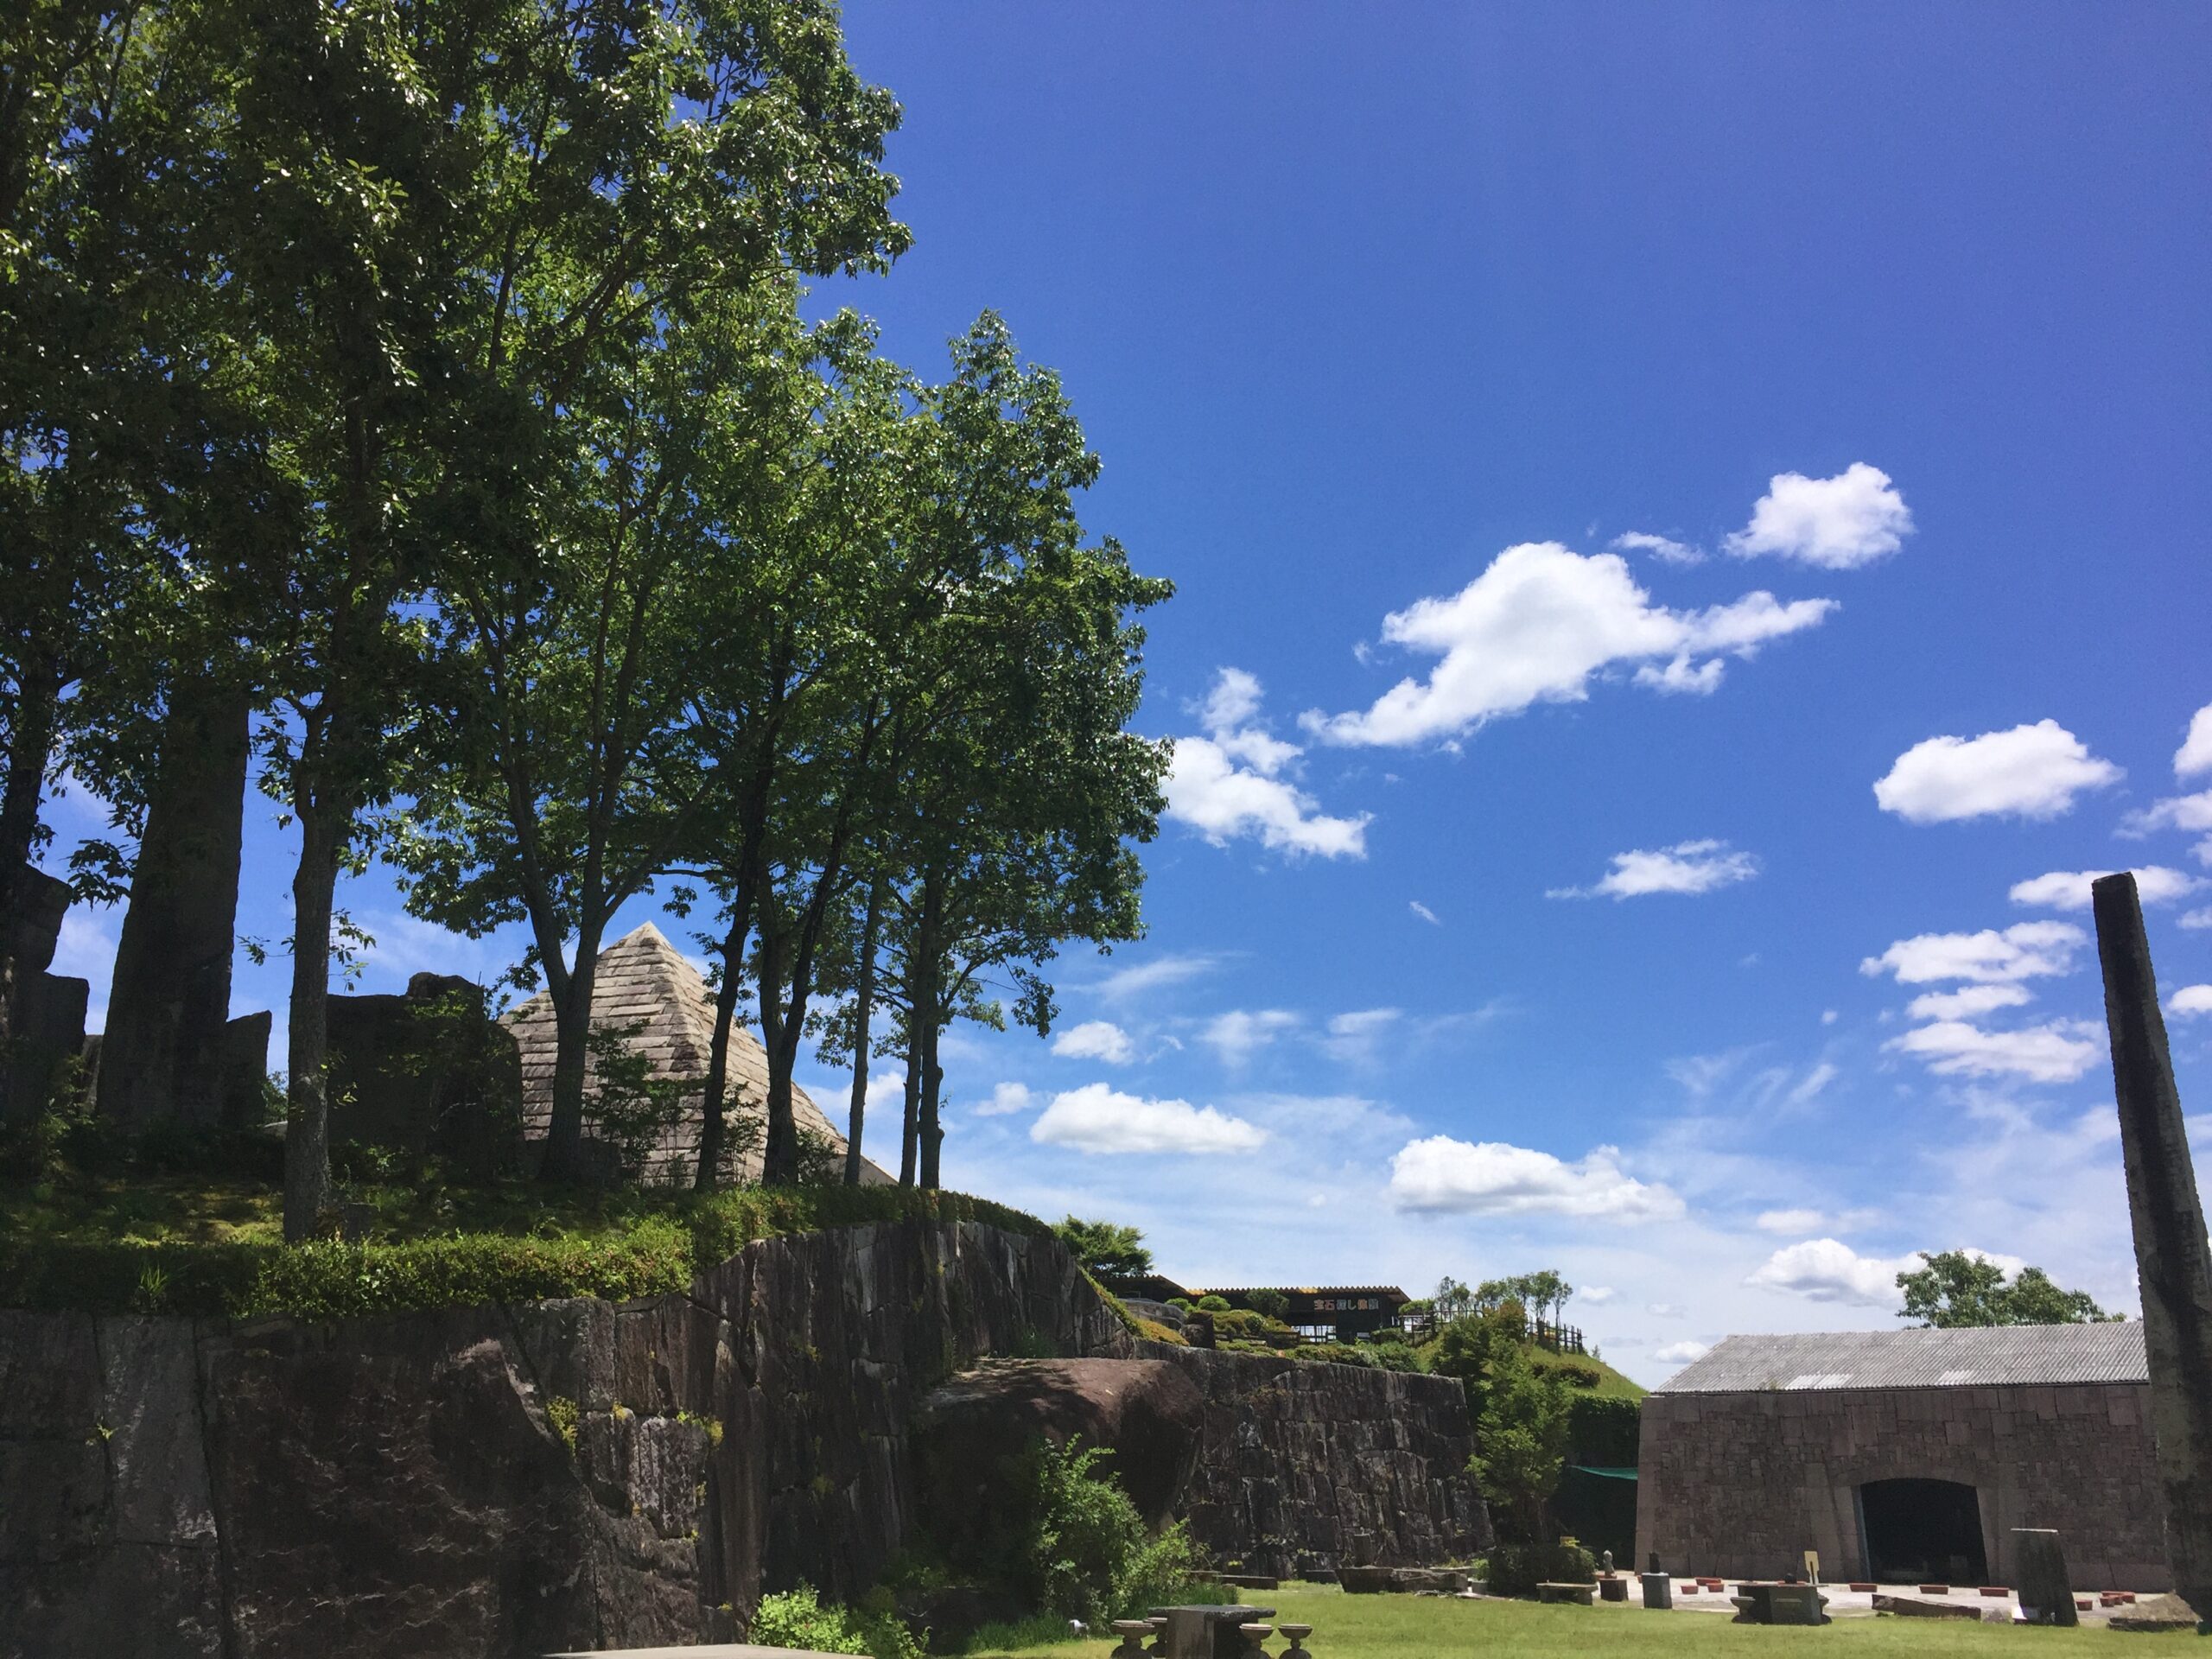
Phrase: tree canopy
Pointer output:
(1956, 1287)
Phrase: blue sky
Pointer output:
(1882, 333)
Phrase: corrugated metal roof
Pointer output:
(1977, 1357)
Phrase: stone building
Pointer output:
(646, 986)
(1903, 1456)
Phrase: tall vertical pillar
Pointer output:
(2173, 1258)
(163, 1054)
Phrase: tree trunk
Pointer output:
(37, 714)
(779, 1150)
(711, 1127)
(163, 1054)
(864, 1001)
(931, 1134)
(564, 1127)
(307, 1132)
(910, 1139)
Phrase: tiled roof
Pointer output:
(1971, 1357)
(1312, 1290)
(645, 981)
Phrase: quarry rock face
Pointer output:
(579, 1474)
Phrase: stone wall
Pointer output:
(496, 1481)
(1739, 1484)
(1305, 1468)
(403, 1485)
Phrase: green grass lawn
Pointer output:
(1427, 1627)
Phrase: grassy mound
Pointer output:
(213, 1247)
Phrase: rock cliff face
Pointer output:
(1305, 1469)
(576, 1474)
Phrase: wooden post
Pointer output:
(2173, 1259)
(2039, 1570)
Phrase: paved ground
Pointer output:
(1853, 1603)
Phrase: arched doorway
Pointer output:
(1922, 1531)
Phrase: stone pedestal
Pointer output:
(2039, 1565)
(1658, 1591)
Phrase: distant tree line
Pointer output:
(429, 378)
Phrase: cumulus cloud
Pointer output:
(1232, 783)
(2029, 771)
(1095, 1039)
(2190, 1000)
(1489, 1178)
(1100, 1119)
(1681, 1353)
(2069, 889)
(1534, 628)
(2057, 1052)
(1838, 524)
(1664, 549)
(2023, 951)
(1425, 913)
(2195, 920)
(1007, 1099)
(1241, 1033)
(2195, 754)
(1967, 1002)
(1790, 1221)
(1597, 1295)
(1689, 867)
(2175, 812)
(1827, 1270)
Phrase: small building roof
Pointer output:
(1312, 1290)
(645, 981)
(1978, 1356)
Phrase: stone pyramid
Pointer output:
(645, 981)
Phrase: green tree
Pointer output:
(1104, 1248)
(1956, 1287)
(1521, 1436)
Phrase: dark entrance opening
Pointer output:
(1922, 1531)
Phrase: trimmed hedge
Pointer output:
(654, 1253)
(1604, 1431)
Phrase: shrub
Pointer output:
(1084, 1552)
(1213, 1305)
(1518, 1569)
(797, 1619)
(1273, 1304)
(1605, 1430)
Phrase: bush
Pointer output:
(1271, 1303)
(797, 1619)
(1084, 1552)
(1214, 1304)
(1518, 1569)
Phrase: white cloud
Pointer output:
(406, 945)
(1810, 1086)
(1827, 1270)
(1828, 1016)
(1230, 784)
(2195, 754)
(2195, 920)
(2023, 951)
(1968, 1003)
(1138, 978)
(2058, 1052)
(1838, 524)
(2175, 812)
(1534, 628)
(1679, 677)
(1240, 1033)
(1099, 1119)
(2069, 889)
(1352, 1037)
(1490, 1178)
(1681, 1353)
(1689, 867)
(1790, 1221)
(2190, 1000)
(1006, 1100)
(1425, 913)
(1664, 549)
(1597, 1295)
(2029, 771)
(1095, 1039)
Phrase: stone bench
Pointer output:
(1582, 1594)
